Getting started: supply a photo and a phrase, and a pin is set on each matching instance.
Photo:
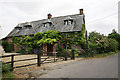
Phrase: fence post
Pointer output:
(39, 59)
(73, 54)
(65, 56)
(12, 62)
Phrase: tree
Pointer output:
(114, 31)
(8, 47)
(95, 36)
(113, 44)
(102, 43)
(116, 36)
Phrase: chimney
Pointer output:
(49, 16)
(81, 11)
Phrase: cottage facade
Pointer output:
(66, 24)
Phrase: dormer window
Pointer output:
(18, 28)
(68, 21)
(28, 25)
(47, 23)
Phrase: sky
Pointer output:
(100, 15)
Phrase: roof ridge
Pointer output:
(51, 18)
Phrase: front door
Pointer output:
(49, 48)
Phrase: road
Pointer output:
(86, 68)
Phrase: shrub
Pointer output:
(77, 53)
(5, 44)
(8, 47)
(30, 50)
(60, 49)
(113, 45)
(21, 51)
(115, 36)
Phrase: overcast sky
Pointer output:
(100, 15)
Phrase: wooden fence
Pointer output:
(39, 58)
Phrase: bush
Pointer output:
(113, 45)
(8, 47)
(77, 53)
(30, 50)
(115, 36)
(60, 49)
(21, 51)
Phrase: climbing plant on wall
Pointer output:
(49, 37)
(77, 38)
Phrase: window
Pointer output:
(47, 23)
(68, 21)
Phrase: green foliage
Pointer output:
(5, 44)
(16, 40)
(22, 51)
(8, 47)
(5, 68)
(113, 45)
(93, 46)
(8, 76)
(77, 38)
(6, 73)
(115, 36)
(38, 36)
(100, 43)
(94, 37)
(49, 37)
(25, 40)
(61, 50)
(66, 39)
(77, 53)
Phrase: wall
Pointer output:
(15, 47)
(9, 40)
(45, 48)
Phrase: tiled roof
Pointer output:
(57, 23)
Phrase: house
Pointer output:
(66, 24)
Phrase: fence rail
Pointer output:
(39, 58)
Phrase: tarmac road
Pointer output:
(86, 68)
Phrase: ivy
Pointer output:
(50, 37)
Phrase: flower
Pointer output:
(62, 46)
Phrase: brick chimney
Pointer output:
(49, 16)
(81, 11)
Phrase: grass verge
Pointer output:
(6, 73)
(100, 55)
